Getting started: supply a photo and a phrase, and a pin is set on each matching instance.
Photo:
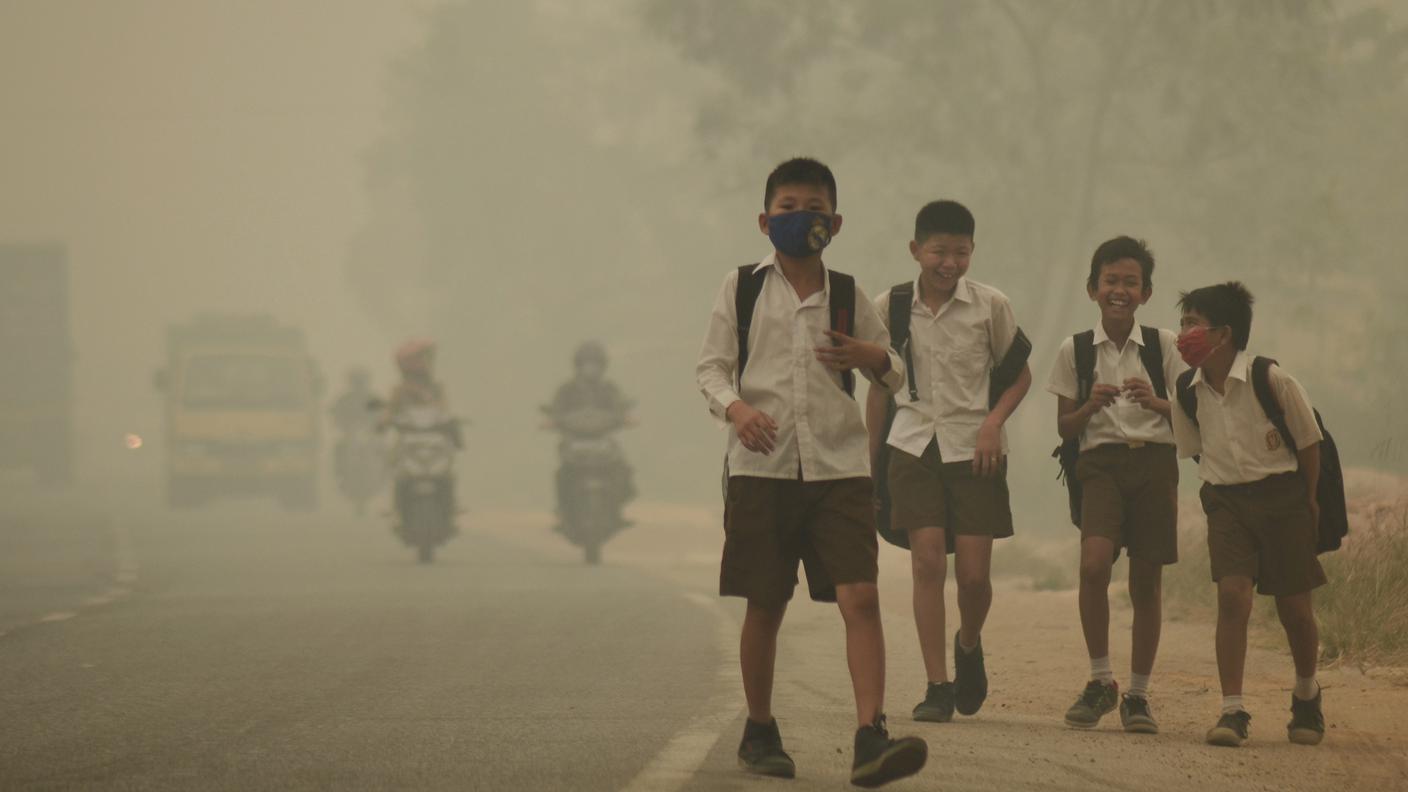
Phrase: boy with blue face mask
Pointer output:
(799, 489)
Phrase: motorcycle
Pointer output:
(593, 479)
(422, 459)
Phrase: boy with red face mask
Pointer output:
(1259, 499)
(1126, 470)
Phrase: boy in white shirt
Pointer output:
(779, 372)
(947, 475)
(1116, 416)
(1259, 496)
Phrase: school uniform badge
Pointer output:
(1273, 440)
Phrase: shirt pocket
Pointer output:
(967, 375)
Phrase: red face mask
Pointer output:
(1194, 346)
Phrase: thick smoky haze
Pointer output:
(515, 178)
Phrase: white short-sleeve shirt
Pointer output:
(954, 351)
(1124, 421)
(1238, 443)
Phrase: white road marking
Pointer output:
(125, 571)
(687, 751)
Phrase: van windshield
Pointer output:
(245, 382)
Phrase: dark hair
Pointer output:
(943, 217)
(1225, 305)
(1122, 247)
(800, 170)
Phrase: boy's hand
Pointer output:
(1142, 393)
(1101, 396)
(988, 453)
(756, 429)
(849, 353)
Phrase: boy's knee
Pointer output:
(1144, 590)
(930, 565)
(973, 581)
(859, 599)
(1094, 573)
(1234, 601)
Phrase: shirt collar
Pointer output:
(1137, 335)
(961, 292)
(1241, 369)
(771, 261)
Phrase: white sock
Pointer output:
(1231, 704)
(1139, 685)
(1100, 670)
(1306, 688)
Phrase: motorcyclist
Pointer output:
(590, 406)
(418, 390)
(351, 412)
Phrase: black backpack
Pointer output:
(1329, 491)
(750, 285)
(1000, 379)
(1151, 354)
(843, 312)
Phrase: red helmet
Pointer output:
(413, 357)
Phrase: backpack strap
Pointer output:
(1152, 353)
(901, 306)
(1261, 385)
(1187, 397)
(750, 285)
(843, 317)
(1085, 364)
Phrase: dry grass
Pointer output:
(1363, 611)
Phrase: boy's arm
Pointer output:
(869, 350)
(1185, 433)
(718, 358)
(1309, 458)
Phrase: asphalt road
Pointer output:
(247, 649)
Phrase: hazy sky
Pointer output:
(193, 153)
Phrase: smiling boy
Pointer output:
(1117, 411)
(777, 368)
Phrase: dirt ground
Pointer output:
(1037, 665)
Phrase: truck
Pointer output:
(242, 412)
(36, 361)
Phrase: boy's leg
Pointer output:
(972, 565)
(1097, 557)
(929, 562)
(1234, 609)
(865, 647)
(757, 656)
(1302, 633)
(1146, 597)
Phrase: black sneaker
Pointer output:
(1307, 726)
(937, 706)
(1232, 729)
(880, 760)
(1095, 701)
(1136, 717)
(970, 678)
(761, 751)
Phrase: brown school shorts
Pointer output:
(1129, 495)
(772, 524)
(927, 492)
(1264, 531)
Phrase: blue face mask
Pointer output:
(800, 234)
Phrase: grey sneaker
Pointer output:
(1136, 717)
(1307, 726)
(761, 752)
(1232, 729)
(1095, 701)
(880, 760)
(937, 706)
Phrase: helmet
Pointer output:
(413, 357)
(590, 352)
